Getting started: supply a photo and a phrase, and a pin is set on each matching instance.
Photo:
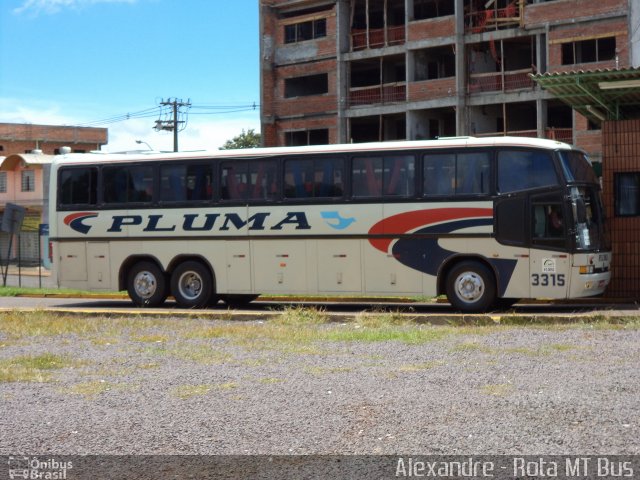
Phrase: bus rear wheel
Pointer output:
(471, 287)
(192, 285)
(146, 285)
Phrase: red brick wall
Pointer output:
(617, 28)
(572, 10)
(432, 89)
(432, 28)
(621, 144)
(20, 138)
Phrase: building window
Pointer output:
(28, 181)
(299, 32)
(3, 182)
(589, 51)
(306, 86)
(627, 194)
(297, 138)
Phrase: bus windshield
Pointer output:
(576, 167)
(588, 214)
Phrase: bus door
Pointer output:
(549, 258)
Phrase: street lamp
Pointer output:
(139, 142)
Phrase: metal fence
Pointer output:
(23, 260)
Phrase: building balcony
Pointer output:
(378, 94)
(561, 134)
(494, 18)
(377, 38)
(501, 81)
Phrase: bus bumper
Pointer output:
(588, 285)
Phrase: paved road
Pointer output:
(30, 279)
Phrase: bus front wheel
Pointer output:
(146, 285)
(192, 285)
(471, 287)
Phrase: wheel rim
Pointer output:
(190, 285)
(145, 284)
(469, 287)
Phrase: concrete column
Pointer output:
(461, 72)
(408, 62)
(343, 43)
(541, 117)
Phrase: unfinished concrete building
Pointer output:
(340, 71)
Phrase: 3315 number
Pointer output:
(548, 280)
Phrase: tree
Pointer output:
(248, 139)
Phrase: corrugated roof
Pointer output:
(601, 94)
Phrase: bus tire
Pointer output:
(192, 285)
(146, 285)
(471, 287)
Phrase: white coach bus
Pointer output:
(485, 221)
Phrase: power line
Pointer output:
(159, 111)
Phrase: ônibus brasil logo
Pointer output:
(75, 221)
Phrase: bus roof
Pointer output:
(100, 157)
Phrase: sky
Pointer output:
(82, 62)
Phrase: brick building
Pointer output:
(335, 71)
(25, 155)
(25, 138)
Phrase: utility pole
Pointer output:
(173, 124)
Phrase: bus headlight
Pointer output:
(586, 269)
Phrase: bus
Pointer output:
(484, 221)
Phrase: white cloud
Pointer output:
(54, 6)
(199, 135)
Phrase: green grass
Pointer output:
(33, 368)
(188, 391)
(498, 390)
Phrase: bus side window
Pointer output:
(262, 175)
(116, 184)
(233, 180)
(142, 184)
(472, 173)
(78, 186)
(198, 183)
(522, 169)
(366, 177)
(315, 178)
(399, 176)
(172, 183)
(439, 174)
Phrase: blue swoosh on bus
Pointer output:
(342, 222)
(76, 221)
